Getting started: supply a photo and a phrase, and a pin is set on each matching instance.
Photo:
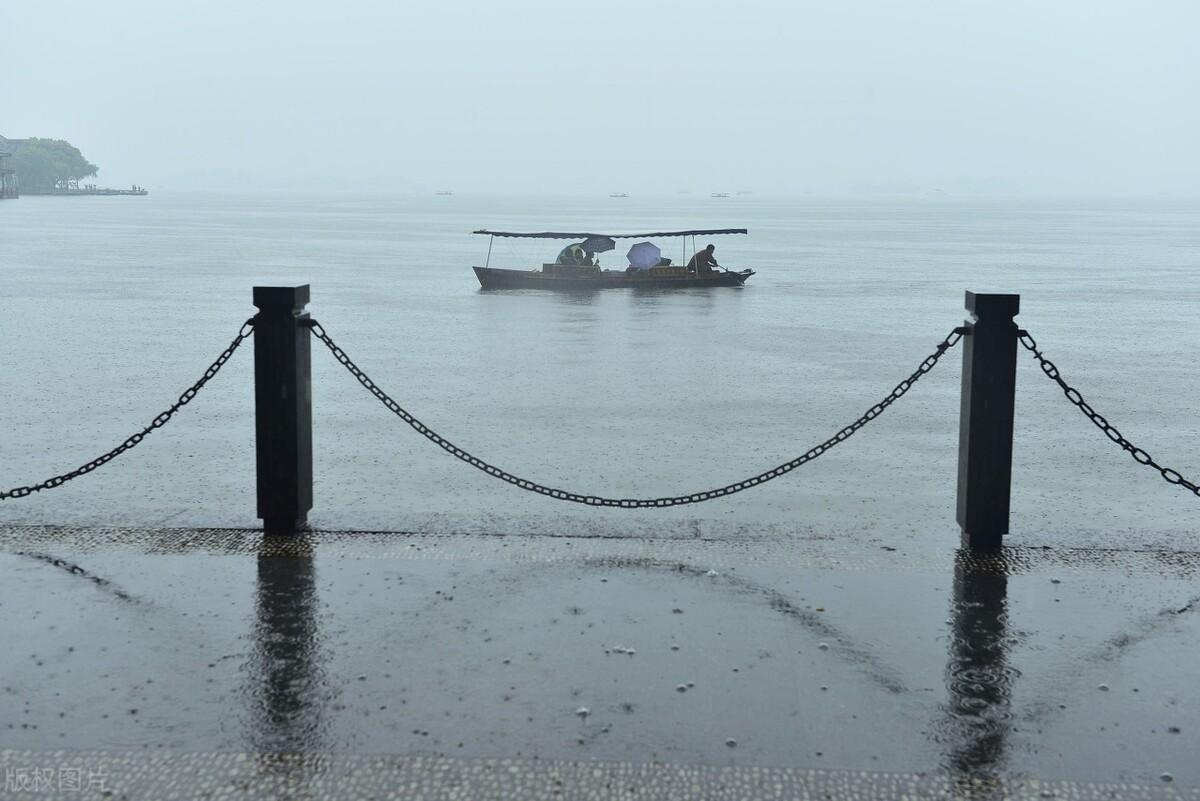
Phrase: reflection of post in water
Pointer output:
(979, 678)
(286, 686)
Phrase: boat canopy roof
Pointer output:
(586, 235)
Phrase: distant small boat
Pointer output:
(720, 194)
(618, 194)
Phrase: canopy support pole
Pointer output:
(488, 263)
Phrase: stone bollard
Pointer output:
(985, 434)
(283, 408)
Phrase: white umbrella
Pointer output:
(644, 255)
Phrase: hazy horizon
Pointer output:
(1069, 98)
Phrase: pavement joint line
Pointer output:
(806, 553)
(159, 774)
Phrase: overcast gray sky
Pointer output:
(623, 95)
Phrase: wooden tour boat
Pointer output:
(574, 276)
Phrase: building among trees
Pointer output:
(49, 167)
(46, 166)
(8, 176)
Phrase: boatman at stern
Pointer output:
(703, 261)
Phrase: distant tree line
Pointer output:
(43, 165)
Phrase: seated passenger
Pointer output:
(573, 254)
(703, 261)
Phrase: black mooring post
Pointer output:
(985, 432)
(283, 408)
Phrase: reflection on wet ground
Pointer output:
(978, 676)
(488, 658)
(287, 692)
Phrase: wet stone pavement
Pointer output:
(211, 663)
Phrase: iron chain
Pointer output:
(158, 422)
(1110, 431)
(637, 503)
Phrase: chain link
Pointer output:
(637, 503)
(1110, 431)
(158, 422)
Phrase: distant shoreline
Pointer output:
(138, 191)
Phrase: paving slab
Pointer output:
(216, 663)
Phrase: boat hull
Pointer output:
(498, 278)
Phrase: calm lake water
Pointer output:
(110, 307)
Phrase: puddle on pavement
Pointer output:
(984, 669)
